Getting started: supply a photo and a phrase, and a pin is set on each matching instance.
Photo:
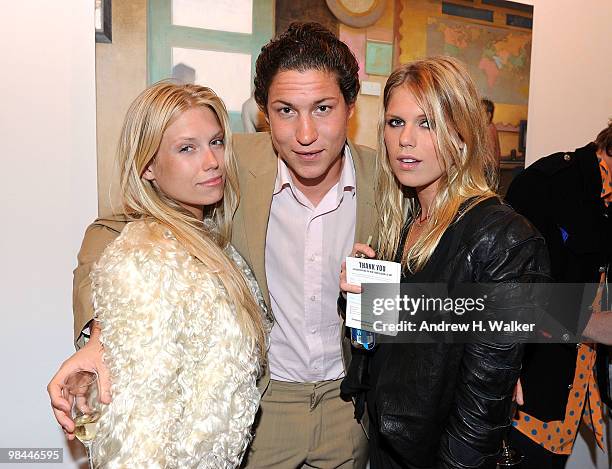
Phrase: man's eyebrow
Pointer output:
(280, 101)
(329, 98)
(319, 101)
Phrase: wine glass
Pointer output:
(81, 391)
(509, 457)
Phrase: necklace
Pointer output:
(420, 220)
(415, 225)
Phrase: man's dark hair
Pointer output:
(604, 139)
(302, 47)
(489, 107)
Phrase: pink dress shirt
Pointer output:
(305, 246)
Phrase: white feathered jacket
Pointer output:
(183, 372)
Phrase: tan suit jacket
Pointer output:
(257, 168)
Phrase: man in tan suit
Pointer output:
(306, 197)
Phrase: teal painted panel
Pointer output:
(159, 23)
(263, 28)
(236, 122)
(180, 36)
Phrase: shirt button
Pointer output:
(312, 258)
(313, 298)
(313, 330)
(570, 386)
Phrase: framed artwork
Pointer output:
(103, 21)
(497, 58)
(357, 13)
(379, 58)
(288, 11)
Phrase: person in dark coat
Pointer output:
(567, 196)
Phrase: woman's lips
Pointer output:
(212, 182)
(408, 162)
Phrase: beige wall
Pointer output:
(570, 96)
(121, 73)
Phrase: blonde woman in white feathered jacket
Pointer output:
(183, 324)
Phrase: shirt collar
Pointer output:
(347, 177)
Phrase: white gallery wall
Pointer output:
(48, 173)
(47, 198)
(570, 88)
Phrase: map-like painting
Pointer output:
(498, 59)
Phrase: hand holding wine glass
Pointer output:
(81, 391)
(89, 357)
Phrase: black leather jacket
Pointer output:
(447, 405)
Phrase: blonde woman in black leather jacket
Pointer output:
(442, 405)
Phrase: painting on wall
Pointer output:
(379, 58)
(357, 13)
(103, 21)
(367, 27)
(498, 59)
(493, 39)
(288, 11)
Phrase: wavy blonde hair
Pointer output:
(447, 95)
(145, 123)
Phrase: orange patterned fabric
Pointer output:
(606, 181)
(584, 404)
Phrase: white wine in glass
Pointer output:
(81, 390)
(86, 426)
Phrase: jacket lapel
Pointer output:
(257, 199)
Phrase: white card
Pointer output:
(363, 270)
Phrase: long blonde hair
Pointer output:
(447, 95)
(145, 123)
